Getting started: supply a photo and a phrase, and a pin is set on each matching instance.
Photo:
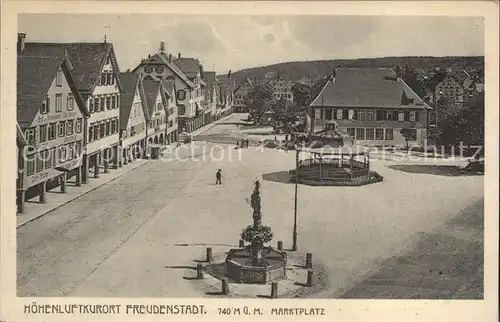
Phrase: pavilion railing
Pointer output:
(345, 163)
(329, 174)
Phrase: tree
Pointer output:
(259, 100)
(283, 115)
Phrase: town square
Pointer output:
(164, 163)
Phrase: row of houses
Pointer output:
(78, 115)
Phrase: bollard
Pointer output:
(309, 263)
(209, 255)
(225, 286)
(309, 278)
(199, 271)
(280, 245)
(242, 243)
(274, 290)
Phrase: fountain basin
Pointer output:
(239, 266)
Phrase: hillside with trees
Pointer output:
(295, 71)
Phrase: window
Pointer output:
(317, 113)
(109, 77)
(44, 109)
(148, 69)
(70, 103)
(379, 134)
(91, 132)
(389, 134)
(361, 115)
(52, 131)
(117, 101)
(70, 152)
(360, 134)
(102, 130)
(103, 79)
(412, 135)
(108, 102)
(62, 154)
(350, 114)
(30, 136)
(79, 125)
(97, 135)
(112, 130)
(91, 105)
(47, 159)
(389, 116)
(170, 124)
(370, 134)
(369, 115)
(381, 115)
(78, 149)
(103, 103)
(108, 127)
(30, 165)
(113, 101)
(58, 102)
(350, 131)
(412, 116)
(62, 128)
(39, 163)
(159, 69)
(69, 127)
(43, 133)
(59, 77)
(181, 94)
(158, 107)
(97, 104)
(401, 116)
(339, 114)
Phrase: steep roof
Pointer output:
(151, 88)
(169, 86)
(20, 138)
(87, 60)
(163, 59)
(189, 66)
(34, 78)
(129, 81)
(366, 87)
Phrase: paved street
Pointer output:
(138, 235)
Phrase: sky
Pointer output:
(229, 42)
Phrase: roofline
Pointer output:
(74, 88)
(143, 99)
(116, 69)
(322, 90)
(414, 107)
(416, 95)
(174, 71)
(20, 135)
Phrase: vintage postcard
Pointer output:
(275, 161)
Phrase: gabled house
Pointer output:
(161, 66)
(172, 121)
(283, 90)
(226, 87)
(156, 100)
(240, 94)
(372, 105)
(211, 94)
(51, 114)
(96, 72)
(194, 71)
(133, 118)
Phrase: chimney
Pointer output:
(21, 39)
(169, 58)
(179, 55)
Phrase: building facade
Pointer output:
(133, 118)
(161, 66)
(156, 102)
(240, 95)
(283, 90)
(51, 114)
(372, 105)
(211, 94)
(172, 118)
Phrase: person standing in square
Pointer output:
(218, 177)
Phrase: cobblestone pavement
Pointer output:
(137, 236)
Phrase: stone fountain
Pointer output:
(256, 262)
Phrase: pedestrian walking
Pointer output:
(218, 177)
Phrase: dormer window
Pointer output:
(159, 69)
(148, 69)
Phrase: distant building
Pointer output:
(190, 93)
(240, 95)
(172, 118)
(211, 95)
(301, 93)
(372, 105)
(283, 90)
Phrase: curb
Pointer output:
(76, 197)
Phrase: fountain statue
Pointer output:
(256, 263)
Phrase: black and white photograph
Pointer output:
(262, 156)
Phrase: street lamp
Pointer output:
(294, 245)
